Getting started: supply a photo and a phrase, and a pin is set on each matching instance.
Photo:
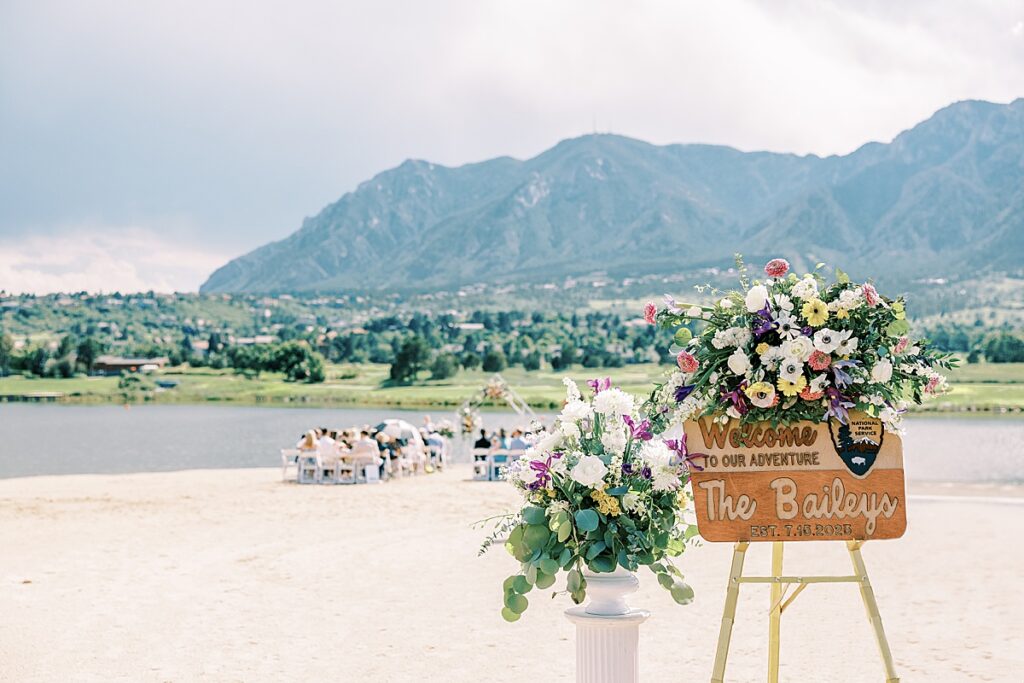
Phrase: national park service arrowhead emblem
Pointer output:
(857, 442)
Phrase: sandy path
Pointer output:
(232, 576)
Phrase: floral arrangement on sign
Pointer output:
(599, 492)
(496, 389)
(791, 348)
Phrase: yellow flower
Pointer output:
(791, 388)
(898, 311)
(842, 313)
(761, 348)
(815, 312)
(607, 505)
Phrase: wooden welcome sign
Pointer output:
(805, 481)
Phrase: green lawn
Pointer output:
(981, 387)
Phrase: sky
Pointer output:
(143, 144)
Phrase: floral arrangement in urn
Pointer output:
(786, 348)
(600, 494)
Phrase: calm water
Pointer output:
(57, 439)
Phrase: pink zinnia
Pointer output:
(933, 383)
(819, 360)
(686, 362)
(808, 395)
(649, 312)
(870, 294)
(777, 267)
(901, 345)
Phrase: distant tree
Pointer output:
(494, 361)
(89, 349)
(297, 361)
(6, 353)
(470, 360)
(445, 365)
(412, 357)
(974, 356)
(566, 357)
(531, 361)
(38, 360)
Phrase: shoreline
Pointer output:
(51, 398)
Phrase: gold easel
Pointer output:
(779, 602)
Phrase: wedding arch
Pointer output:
(496, 390)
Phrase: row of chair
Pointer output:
(311, 468)
(487, 463)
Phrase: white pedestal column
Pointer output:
(608, 630)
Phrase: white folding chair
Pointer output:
(309, 468)
(481, 464)
(289, 459)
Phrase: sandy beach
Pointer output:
(230, 575)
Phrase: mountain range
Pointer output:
(943, 199)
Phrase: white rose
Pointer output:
(589, 471)
(800, 348)
(882, 372)
(576, 411)
(805, 289)
(665, 479)
(739, 363)
(826, 340)
(570, 430)
(757, 298)
(694, 312)
(613, 401)
(725, 303)
(614, 441)
(790, 369)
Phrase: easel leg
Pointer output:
(775, 616)
(868, 596)
(729, 615)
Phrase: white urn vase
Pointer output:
(608, 629)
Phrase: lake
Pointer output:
(69, 439)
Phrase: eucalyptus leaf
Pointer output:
(587, 520)
(534, 515)
(536, 536)
(682, 593)
(548, 566)
(603, 564)
(545, 580)
(666, 581)
(521, 585)
(682, 336)
(508, 615)
(517, 603)
(564, 531)
(595, 550)
(531, 574)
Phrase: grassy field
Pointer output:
(982, 386)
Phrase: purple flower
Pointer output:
(671, 306)
(838, 405)
(736, 398)
(543, 470)
(641, 430)
(807, 331)
(599, 385)
(627, 468)
(842, 378)
(763, 322)
(682, 456)
(682, 392)
(646, 473)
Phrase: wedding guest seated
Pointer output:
(518, 443)
(483, 441)
(308, 442)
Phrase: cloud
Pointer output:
(111, 260)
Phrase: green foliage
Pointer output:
(494, 361)
(445, 366)
(412, 357)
